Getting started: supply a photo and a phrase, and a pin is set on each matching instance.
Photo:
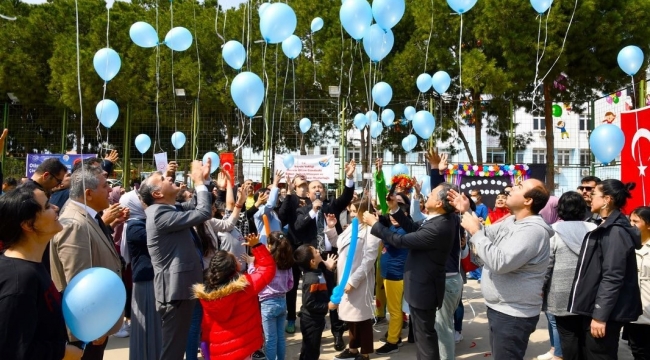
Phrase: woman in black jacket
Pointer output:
(605, 292)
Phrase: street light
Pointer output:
(335, 92)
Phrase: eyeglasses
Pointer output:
(58, 181)
(585, 188)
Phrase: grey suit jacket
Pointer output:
(176, 262)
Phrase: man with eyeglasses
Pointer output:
(588, 184)
(49, 174)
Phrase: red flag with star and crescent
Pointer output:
(635, 157)
(228, 164)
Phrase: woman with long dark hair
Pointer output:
(638, 332)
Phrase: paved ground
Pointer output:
(474, 346)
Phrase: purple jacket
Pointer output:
(281, 284)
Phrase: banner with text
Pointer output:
(313, 167)
(34, 160)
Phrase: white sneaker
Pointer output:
(125, 331)
(547, 356)
(458, 337)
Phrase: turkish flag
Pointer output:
(635, 157)
(228, 164)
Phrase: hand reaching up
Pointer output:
(330, 262)
(252, 240)
(331, 220)
(459, 201)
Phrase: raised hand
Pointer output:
(350, 169)
(252, 240)
(443, 164)
(171, 169)
(242, 194)
(458, 201)
(3, 137)
(417, 187)
(222, 181)
(262, 199)
(196, 171)
(111, 213)
(470, 222)
(113, 156)
(370, 219)
(277, 178)
(433, 158)
(330, 262)
(289, 184)
(248, 259)
(331, 220)
(379, 163)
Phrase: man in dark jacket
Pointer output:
(587, 185)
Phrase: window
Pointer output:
(323, 150)
(519, 157)
(310, 151)
(539, 156)
(584, 122)
(399, 158)
(354, 153)
(495, 156)
(563, 157)
(585, 157)
(422, 159)
(335, 151)
(538, 123)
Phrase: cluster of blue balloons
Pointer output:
(630, 59)
(142, 143)
(107, 64)
(178, 140)
(440, 81)
(606, 142)
(144, 35)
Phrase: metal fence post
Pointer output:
(590, 127)
(5, 124)
(126, 160)
(195, 130)
(641, 94)
(64, 131)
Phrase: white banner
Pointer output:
(313, 167)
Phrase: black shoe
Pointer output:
(258, 355)
(388, 348)
(339, 343)
(346, 354)
(380, 320)
(399, 341)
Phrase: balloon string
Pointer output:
(353, 50)
(426, 55)
(196, 131)
(99, 129)
(460, 75)
(313, 56)
(243, 36)
(157, 90)
(293, 74)
(341, 67)
(365, 80)
(284, 87)
(225, 21)
(636, 116)
(171, 11)
(249, 9)
(540, 57)
(275, 100)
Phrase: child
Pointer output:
(273, 299)
(315, 299)
(609, 117)
(231, 312)
(562, 127)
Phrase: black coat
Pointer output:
(287, 215)
(605, 286)
(424, 271)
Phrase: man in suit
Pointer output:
(174, 255)
(424, 271)
(310, 228)
(85, 241)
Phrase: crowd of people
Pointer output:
(218, 267)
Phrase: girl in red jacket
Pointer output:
(230, 303)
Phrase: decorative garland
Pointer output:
(488, 170)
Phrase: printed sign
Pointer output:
(313, 167)
(34, 160)
(161, 161)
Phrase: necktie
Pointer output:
(320, 231)
(103, 226)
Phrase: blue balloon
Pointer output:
(461, 6)
(214, 165)
(441, 81)
(247, 91)
(107, 63)
(143, 35)
(409, 113)
(292, 46)
(424, 82)
(388, 13)
(93, 303)
(409, 142)
(107, 112)
(387, 117)
(178, 140)
(400, 169)
(277, 22)
(630, 59)
(375, 129)
(371, 115)
(142, 143)
(234, 54)
(356, 17)
(360, 121)
(424, 123)
(606, 142)
(262, 8)
(337, 293)
(288, 161)
(541, 5)
(378, 42)
(382, 93)
(178, 39)
(426, 185)
(316, 24)
(305, 125)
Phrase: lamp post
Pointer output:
(335, 92)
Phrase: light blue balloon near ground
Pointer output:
(292, 46)
(388, 13)
(606, 142)
(424, 123)
(107, 112)
(461, 6)
(277, 22)
(375, 129)
(440, 82)
(356, 17)
(337, 293)
(387, 117)
(382, 93)
(409, 113)
(247, 91)
(630, 59)
(178, 140)
(142, 143)
(215, 161)
(93, 302)
(305, 125)
(400, 168)
(143, 34)
(234, 54)
(423, 82)
(107, 63)
(360, 121)
(316, 24)
(178, 39)
(541, 5)
(288, 161)
(371, 115)
(409, 142)
(378, 42)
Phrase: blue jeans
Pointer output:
(459, 315)
(274, 312)
(554, 335)
(509, 335)
(194, 336)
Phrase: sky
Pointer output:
(225, 3)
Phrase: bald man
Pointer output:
(516, 256)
